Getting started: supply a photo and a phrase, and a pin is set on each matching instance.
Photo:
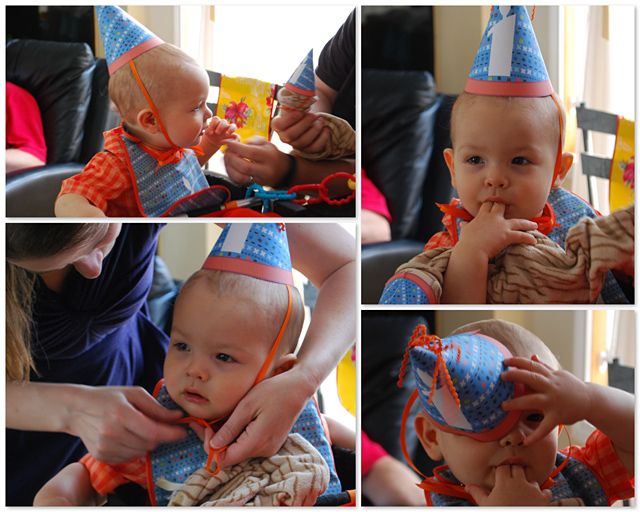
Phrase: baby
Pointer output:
(506, 163)
(146, 168)
(226, 319)
(493, 396)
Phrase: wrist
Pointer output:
(288, 167)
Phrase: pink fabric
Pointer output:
(371, 453)
(372, 198)
(24, 123)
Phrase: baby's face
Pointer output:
(185, 112)
(217, 348)
(503, 151)
(475, 462)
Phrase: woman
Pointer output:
(90, 328)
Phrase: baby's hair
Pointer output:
(520, 341)
(545, 105)
(159, 69)
(269, 300)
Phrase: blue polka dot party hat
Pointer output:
(256, 250)
(508, 61)
(303, 80)
(459, 385)
(124, 38)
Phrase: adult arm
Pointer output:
(18, 159)
(116, 424)
(325, 254)
(261, 160)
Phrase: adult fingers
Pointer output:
(294, 131)
(308, 141)
(286, 118)
(152, 421)
(320, 142)
(252, 149)
(233, 427)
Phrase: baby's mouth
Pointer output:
(513, 461)
(191, 395)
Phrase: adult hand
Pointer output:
(256, 159)
(304, 131)
(511, 489)
(260, 423)
(117, 424)
(560, 396)
(489, 232)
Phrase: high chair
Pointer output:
(594, 166)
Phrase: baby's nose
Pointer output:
(514, 438)
(496, 177)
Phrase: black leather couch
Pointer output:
(405, 128)
(70, 86)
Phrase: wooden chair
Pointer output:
(594, 166)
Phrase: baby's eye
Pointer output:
(474, 160)
(520, 160)
(535, 417)
(226, 358)
(181, 346)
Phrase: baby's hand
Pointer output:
(219, 132)
(511, 489)
(489, 232)
(560, 396)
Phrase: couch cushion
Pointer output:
(398, 114)
(59, 76)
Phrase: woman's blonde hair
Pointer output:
(31, 241)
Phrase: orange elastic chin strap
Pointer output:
(214, 453)
(168, 156)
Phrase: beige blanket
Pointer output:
(545, 273)
(295, 476)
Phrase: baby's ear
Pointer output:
(147, 121)
(283, 364)
(428, 436)
(448, 158)
(566, 161)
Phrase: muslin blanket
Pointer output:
(544, 272)
(295, 476)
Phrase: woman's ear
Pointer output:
(428, 436)
(448, 158)
(284, 364)
(147, 121)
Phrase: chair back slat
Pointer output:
(596, 120)
(595, 166)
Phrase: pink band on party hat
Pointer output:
(249, 268)
(299, 90)
(498, 88)
(133, 53)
